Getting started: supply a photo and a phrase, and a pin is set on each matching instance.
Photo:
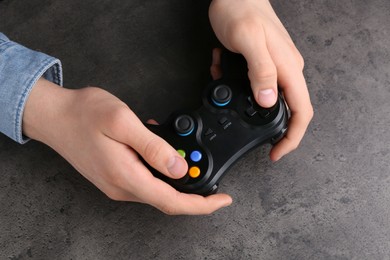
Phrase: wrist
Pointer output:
(45, 108)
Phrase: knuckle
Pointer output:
(301, 61)
(297, 56)
(262, 72)
(117, 181)
(243, 26)
(115, 196)
(294, 145)
(117, 119)
(240, 30)
(215, 70)
(307, 114)
(208, 211)
(171, 205)
(310, 113)
(292, 142)
(169, 210)
(152, 150)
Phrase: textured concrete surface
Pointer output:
(329, 199)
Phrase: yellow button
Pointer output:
(194, 172)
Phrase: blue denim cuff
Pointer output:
(20, 68)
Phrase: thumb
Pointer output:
(262, 71)
(159, 154)
(155, 150)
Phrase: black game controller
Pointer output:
(214, 136)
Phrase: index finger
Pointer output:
(298, 99)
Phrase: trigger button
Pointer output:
(264, 112)
(249, 99)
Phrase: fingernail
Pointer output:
(177, 167)
(228, 202)
(266, 97)
(275, 158)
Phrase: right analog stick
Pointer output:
(221, 95)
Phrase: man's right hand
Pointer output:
(252, 28)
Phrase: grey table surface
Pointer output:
(329, 199)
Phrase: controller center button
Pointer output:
(221, 95)
(194, 172)
(196, 156)
(182, 153)
(184, 125)
(222, 120)
(209, 133)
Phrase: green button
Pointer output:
(182, 153)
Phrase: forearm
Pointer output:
(20, 68)
(232, 19)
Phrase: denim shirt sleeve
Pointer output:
(20, 68)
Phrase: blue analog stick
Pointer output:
(184, 125)
(221, 95)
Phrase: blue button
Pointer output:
(196, 156)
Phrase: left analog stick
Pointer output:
(184, 125)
